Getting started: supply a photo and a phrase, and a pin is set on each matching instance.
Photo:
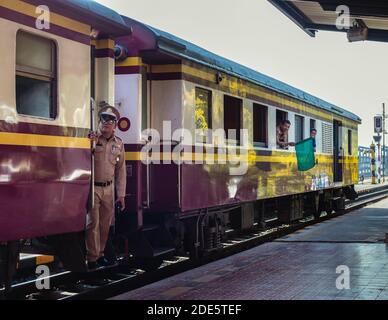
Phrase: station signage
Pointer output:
(378, 121)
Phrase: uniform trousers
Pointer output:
(99, 221)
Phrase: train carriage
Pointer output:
(91, 53)
(50, 55)
(160, 78)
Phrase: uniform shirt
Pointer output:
(314, 144)
(109, 163)
(281, 138)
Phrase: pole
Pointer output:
(93, 147)
(373, 162)
(379, 160)
(383, 142)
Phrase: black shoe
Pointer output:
(93, 265)
(105, 262)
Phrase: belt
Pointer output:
(103, 184)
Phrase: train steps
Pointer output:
(152, 244)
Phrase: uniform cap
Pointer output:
(109, 110)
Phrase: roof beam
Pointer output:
(373, 8)
(373, 34)
(289, 10)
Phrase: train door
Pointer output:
(337, 151)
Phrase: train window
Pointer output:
(260, 125)
(203, 113)
(281, 135)
(349, 142)
(313, 124)
(232, 117)
(35, 76)
(299, 128)
(280, 116)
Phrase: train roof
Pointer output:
(186, 50)
(108, 21)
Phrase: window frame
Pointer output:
(237, 142)
(297, 116)
(313, 121)
(205, 139)
(41, 75)
(281, 111)
(278, 119)
(260, 144)
(350, 138)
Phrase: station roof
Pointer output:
(178, 47)
(314, 15)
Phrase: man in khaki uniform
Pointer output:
(109, 172)
(282, 135)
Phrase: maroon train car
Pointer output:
(166, 86)
(56, 55)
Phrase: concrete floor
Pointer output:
(301, 266)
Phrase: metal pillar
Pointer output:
(379, 160)
(373, 162)
(384, 142)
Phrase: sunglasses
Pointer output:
(106, 118)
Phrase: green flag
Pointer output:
(305, 154)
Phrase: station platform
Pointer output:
(300, 266)
(367, 186)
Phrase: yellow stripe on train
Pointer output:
(190, 156)
(130, 62)
(30, 10)
(36, 140)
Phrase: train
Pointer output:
(183, 195)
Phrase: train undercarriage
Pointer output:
(201, 232)
(195, 234)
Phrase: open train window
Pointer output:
(299, 128)
(349, 142)
(280, 116)
(260, 125)
(35, 76)
(203, 113)
(313, 124)
(232, 118)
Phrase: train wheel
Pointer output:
(328, 207)
(316, 206)
(317, 215)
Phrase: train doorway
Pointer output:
(337, 151)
